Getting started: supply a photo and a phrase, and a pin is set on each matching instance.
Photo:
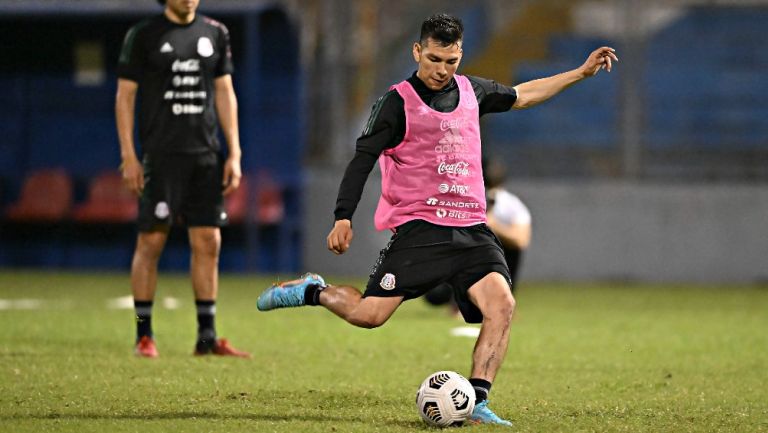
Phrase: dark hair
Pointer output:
(443, 28)
(494, 172)
(162, 2)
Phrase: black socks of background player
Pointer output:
(482, 389)
(143, 319)
(312, 294)
(206, 328)
(206, 318)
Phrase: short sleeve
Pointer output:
(492, 96)
(225, 65)
(131, 62)
(509, 209)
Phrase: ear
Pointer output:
(417, 52)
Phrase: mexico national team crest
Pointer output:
(387, 282)
(161, 210)
(204, 47)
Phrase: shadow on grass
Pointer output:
(177, 416)
(322, 406)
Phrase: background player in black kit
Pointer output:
(180, 64)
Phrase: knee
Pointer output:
(149, 248)
(508, 306)
(503, 308)
(206, 244)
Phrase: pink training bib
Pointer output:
(435, 173)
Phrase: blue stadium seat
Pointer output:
(705, 83)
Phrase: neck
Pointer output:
(175, 17)
(423, 84)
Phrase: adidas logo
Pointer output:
(166, 48)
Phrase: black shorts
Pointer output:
(182, 189)
(421, 256)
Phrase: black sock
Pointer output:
(482, 389)
(312, 294)
(206, 328)
(143, 319)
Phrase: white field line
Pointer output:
(126, 303)
(465, 331)
(21, 304)
(121, 303)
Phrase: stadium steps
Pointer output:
(525, 38)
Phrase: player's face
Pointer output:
(182, 8)
(437, 63)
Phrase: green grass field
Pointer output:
(592, 358)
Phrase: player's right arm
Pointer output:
(384, 130)
(340, 236)
(125, 105)
(129, 71)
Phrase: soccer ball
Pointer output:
(445, 398)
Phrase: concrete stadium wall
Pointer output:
(590, 231)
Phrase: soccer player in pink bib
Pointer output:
(425, 133)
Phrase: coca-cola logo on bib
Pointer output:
(459, 168)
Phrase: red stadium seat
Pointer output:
(262, 203)
(236, 204)
(109, 201)
(46, 196)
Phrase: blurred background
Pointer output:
(657, 172)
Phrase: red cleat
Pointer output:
(221, 348)
(146, 348)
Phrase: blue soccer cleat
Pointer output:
(484, 415)
(289, 293)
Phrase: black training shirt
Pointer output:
(175, 66)
(385, 129)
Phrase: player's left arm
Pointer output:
(537, 91)
(226, 108)
(517, 235)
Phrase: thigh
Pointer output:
(475, 265)
(204, 203)
(491, 294)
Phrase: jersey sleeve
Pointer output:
(493, 97)
(132, 56)
(384, 130)
(225, 65)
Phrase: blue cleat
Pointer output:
(289, 293)
(483, 415)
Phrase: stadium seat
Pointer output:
(261, 204)
(109, 201)
(46, 196)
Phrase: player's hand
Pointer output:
(133, 175)
(340, 236)
(601, 58)
(232, 175)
